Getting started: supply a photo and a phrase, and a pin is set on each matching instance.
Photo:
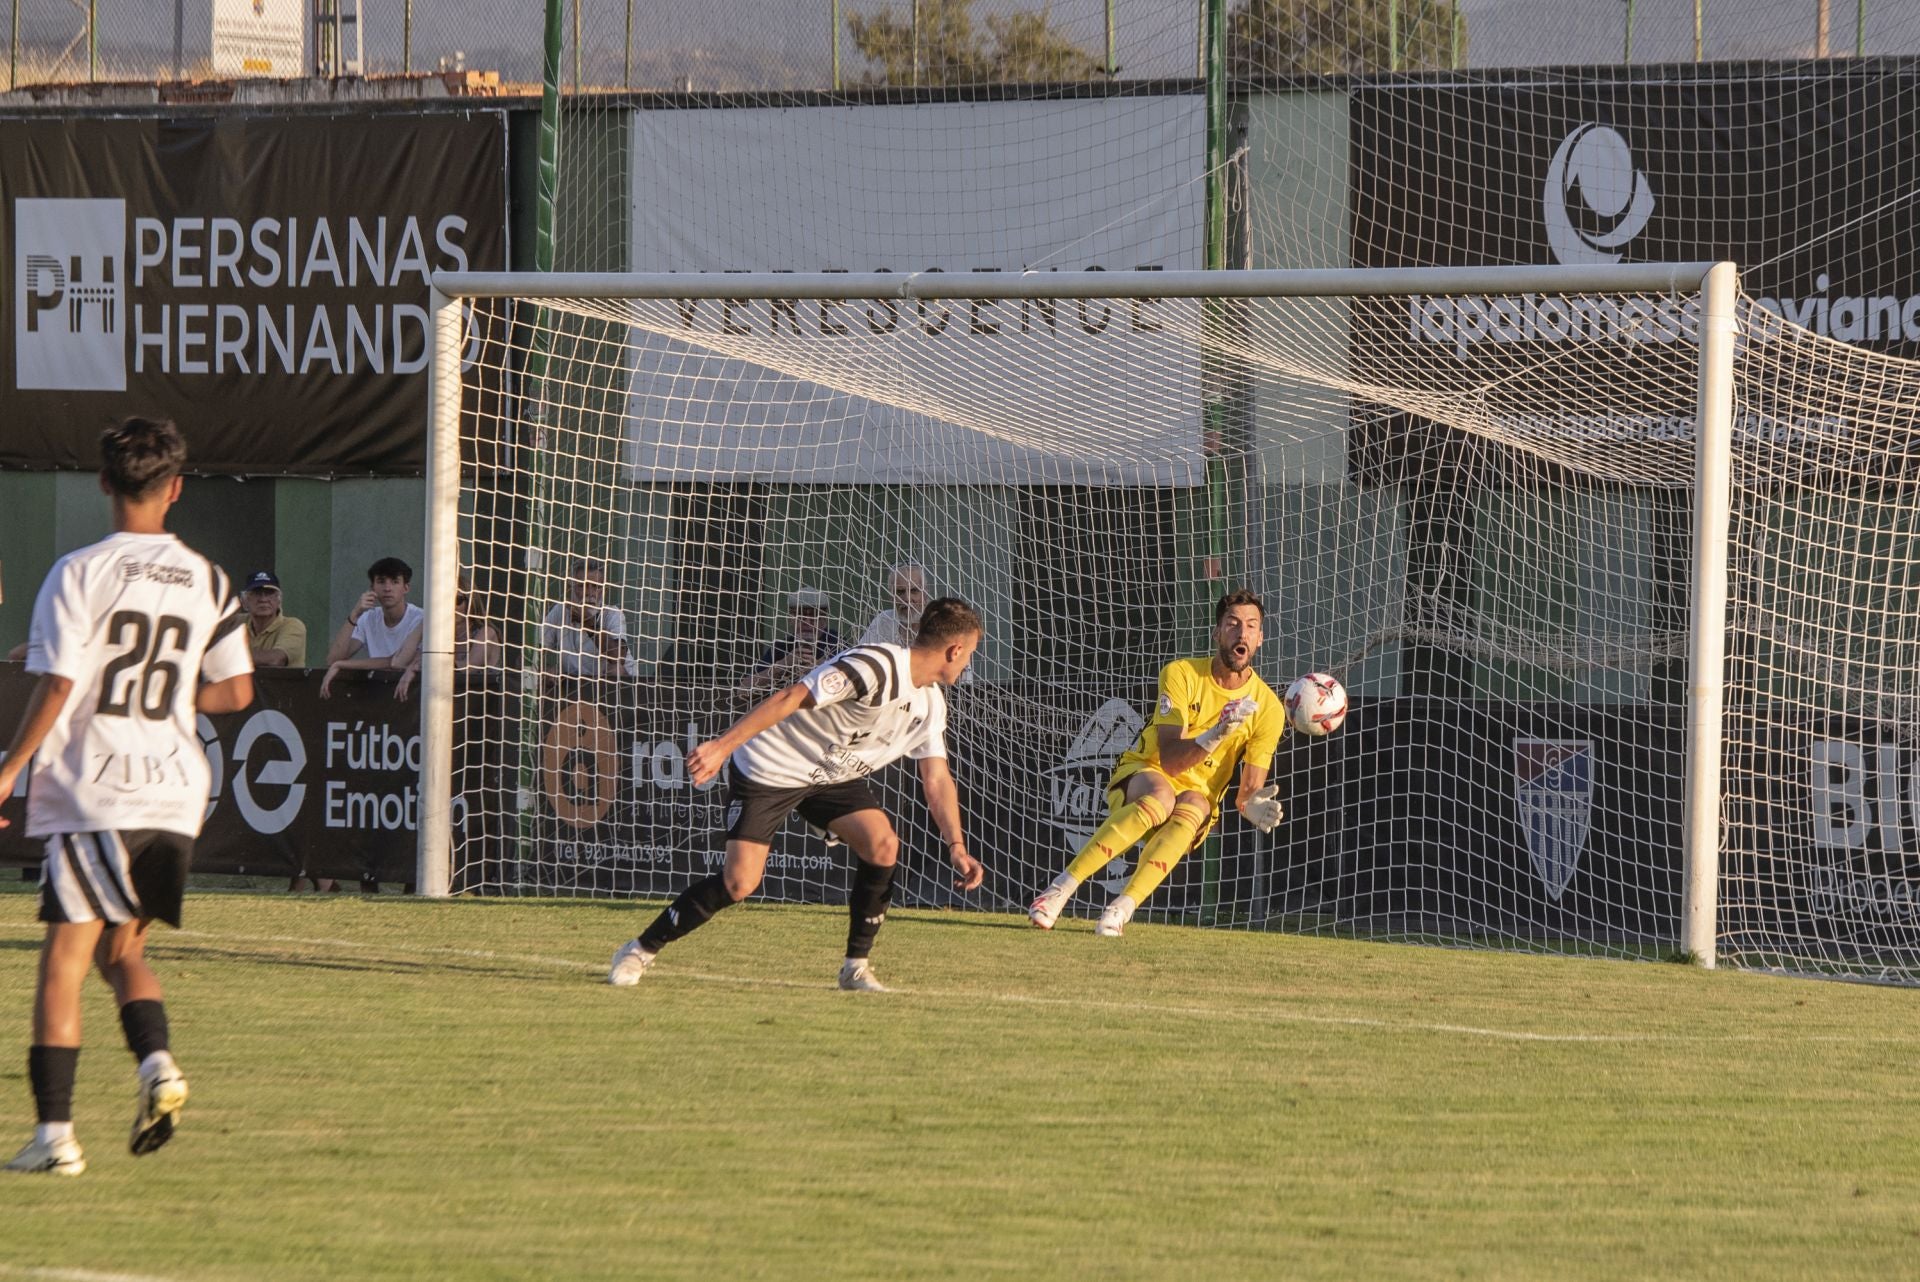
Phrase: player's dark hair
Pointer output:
(946, 620)
(141, 455)
(390, 567)
(1239, 596)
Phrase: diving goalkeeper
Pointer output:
(1211, 715)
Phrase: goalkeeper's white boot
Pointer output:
(49, 1157)
(1113, 922)
(163, 1089)
(1049, 904)
(629, 964)
(856, 976)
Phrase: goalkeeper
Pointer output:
(1212, 714)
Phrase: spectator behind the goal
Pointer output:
(379, 622)
(479, 660)
(584, 636)
(278, 639)
(907, 584)
(809, 642)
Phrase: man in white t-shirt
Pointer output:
(907, 583)
(810, 748)
(377, 625)
(583, 636)
(132, 638)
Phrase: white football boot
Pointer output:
(629, 964)
(55, 1157)
(1048, 905)
(1113, 922)
(163, 1089)
(856, 976)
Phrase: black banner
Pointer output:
(1804, 182)
(1498, 821)
(263, 280)
(300, 783)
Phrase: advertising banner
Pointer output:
(300, 783)
(1533, 821)
(1803, 183)
(259, 38)
(984, 392)
(262, 280)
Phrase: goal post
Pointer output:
(1017, 447)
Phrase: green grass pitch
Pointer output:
(389, 1088)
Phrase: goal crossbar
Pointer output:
(1715, 283)
(1620, 278)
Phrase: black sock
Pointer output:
(867, 905)
(145, 1024)
(687, 913)
(51, 1070)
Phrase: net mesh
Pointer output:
(1494, 555)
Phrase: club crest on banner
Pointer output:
(1553, 782)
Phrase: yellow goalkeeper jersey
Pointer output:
(1191, 700)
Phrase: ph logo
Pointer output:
(69, 302)
(1595, 199)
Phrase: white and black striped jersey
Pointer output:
(867, 712)
(136, 622)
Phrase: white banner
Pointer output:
(1100, 392)
(259, 38)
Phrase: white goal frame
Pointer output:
(1717, 285)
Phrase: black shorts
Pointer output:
(755, 811)
(115, 877)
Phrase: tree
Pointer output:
(1020, 48)
(1339, 37)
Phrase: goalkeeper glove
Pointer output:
(1236, 711)
(1261, 810)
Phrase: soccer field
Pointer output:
(391, 1088)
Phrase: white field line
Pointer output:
(76, 1275)
(1251, 1013)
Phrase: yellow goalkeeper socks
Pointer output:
(1173, 840)
(1116, 836)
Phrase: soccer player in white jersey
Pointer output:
(810, 747)
(131, 637)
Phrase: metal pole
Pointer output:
(179, 39)
(1113, 66)
(1822, 26)
(1699, 30)
(626, 67)
(93, 15)
(1626, 55)
(576, 44)
(406, 38)
(833, 16)
(913, 76)
(433, 872)
(1707, 667)
(13, 50)
(1457, 50)
(1393, 35)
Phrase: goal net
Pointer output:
(1474, 503)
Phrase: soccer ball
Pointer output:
(1316, 704)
